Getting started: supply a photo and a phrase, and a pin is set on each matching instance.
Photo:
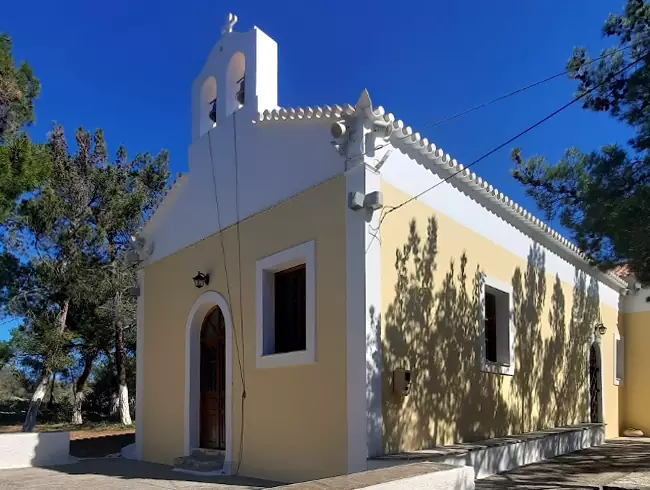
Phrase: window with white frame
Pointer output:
(285, 304)
(497, 346)
(619, 359)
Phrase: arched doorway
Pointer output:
(196, 319)
(212, 425)
(595, 389)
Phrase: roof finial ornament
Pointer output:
(230, 23)
(364, 101)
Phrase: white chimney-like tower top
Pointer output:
(242, 66)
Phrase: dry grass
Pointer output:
(84, 431)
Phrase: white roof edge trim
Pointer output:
(438, 162)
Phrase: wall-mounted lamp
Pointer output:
(201, 279)
(600, 329)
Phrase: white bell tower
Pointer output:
(240, 75)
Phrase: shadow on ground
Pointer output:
(97, 447)
(610, 465)
(118, 473)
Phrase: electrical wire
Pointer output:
(241, 309)
(505, 143)
(505, 96)
(523, 89)
(223, 253)
(9, 321)
(240, 358)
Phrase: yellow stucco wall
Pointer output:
(295, 417)
(636, 399)
(430, 324)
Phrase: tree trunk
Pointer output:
(79, 394)
(35, 402)
(125, 413)
(120, 356)
(63, 315)
(115, 402)
(50, 403)
(41, 388)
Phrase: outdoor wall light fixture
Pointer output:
(201, 279)
(600, 329)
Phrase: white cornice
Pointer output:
(442, 164)
(305, 113)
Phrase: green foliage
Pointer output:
(603, 196)
(6, 353)
(13, 385)
(23, 164)
(72, 286)
(18, 89)
(100, 398)
(66, 222)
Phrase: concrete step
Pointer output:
(201, 460)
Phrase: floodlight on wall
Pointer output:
(372, 201)
(600, 329)
(201, 279)
(338, 129)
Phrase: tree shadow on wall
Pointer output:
(434, 334)
(528, 295)
(564, 392)
(432, 328)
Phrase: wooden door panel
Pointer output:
(213, 366)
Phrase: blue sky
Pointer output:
(127, 66)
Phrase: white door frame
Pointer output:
(200, 309)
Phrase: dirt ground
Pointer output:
(76, 432)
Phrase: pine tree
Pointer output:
(23, 165)
(75, 231)
(130, 190)
(18, 89)
(603, 196)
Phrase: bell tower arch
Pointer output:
(239, 75)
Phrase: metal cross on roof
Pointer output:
(230, 23)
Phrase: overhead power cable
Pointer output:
(523, 89)
(506, 96)
(390, 209)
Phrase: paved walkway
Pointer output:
(618, 464)
(118, 474)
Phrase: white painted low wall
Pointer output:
(492, 460)
(23, 450)
(521, 450)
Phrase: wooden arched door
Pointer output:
(594, 386)
(213, 381)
